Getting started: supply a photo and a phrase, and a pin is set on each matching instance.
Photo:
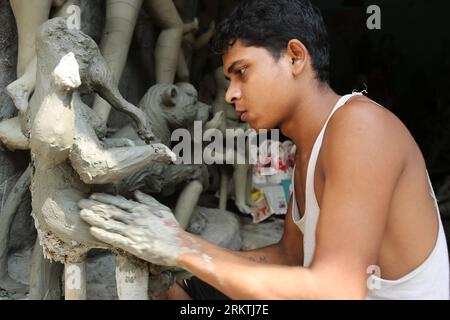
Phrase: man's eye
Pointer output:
(242, 70)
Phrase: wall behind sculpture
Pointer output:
(405, 64)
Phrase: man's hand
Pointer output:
(144, 228)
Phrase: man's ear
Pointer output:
(297, 55)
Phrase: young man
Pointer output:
(362, 203)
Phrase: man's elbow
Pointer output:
(337, 288)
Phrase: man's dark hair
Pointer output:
(271, 24)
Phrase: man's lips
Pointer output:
(242, 114)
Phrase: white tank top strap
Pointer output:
(316, 148)
(312, 209)
(310, 201)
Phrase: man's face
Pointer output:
(260, 87)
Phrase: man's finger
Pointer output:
(113, 239)
(101, 222)
(151, 205)
(149, 201)
(105, 210)
(88, 204)
(117, 201)
(145, 198)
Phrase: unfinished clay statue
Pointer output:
(29, 15)
(68, 157)
(121, 16)
(227, 118)
(169, 107)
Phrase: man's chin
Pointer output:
(260, 126)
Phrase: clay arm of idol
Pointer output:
(168, 46)
(205, 37)
(29, 16)
(97, 165)
(121, 17)
(11, 135)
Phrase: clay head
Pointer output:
(203, 110)
(183, 111)
(177, 104)
(66, 74)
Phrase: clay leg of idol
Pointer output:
(183, 69)
(187, 202)
(168, 46)
(189, 29)
(6, 218)
(45, 276)
(132, 277)
(21, 89)
(240, 187)
(121, 19)
(75, 280)
(11, 135)
(29, 16)
(249, 185)
(184, 60)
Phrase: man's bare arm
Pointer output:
(361, 162)
(288, 251)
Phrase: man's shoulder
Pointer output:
(368, 118)
(367, 131)
(361, 109)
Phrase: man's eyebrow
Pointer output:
(232, 68)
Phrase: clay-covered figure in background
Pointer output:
(169, 107)
(121, 16)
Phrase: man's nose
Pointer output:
(233, 94)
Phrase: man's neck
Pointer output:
(309, 116)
